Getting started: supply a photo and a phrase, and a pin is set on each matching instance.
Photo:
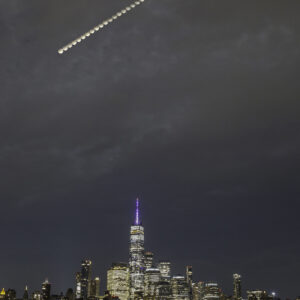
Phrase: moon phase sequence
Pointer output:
(100, 26)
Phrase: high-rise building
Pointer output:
(37, 295)
(46, 290)
(237, 288)
(163, 291)
(189, 274)
(258, 295)
(212, 291)
(152, 277)
(148, 259)
(83, 280)
(180, 288)
(2, 294)
(70, 294)
(136, 257)
(189, 279)
(11, 294)
(25, 295)
(165, 270)
(196, 292)
(118, 280)
(108, 296)
(95, 288)
(78, 285)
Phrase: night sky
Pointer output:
(191, 105)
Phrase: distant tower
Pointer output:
(136, 256)
(78, 285)
(70, 294)
(152, 277)
(148, 259)
(95, 288)
(2, 294)
(237, 287)
(26, 295)
(165, 270)
(189, 279)
(83, 280)
(11, 294)
(212, 291)
(117, 280)
(180, 288)
(37, 295)
(46, 290)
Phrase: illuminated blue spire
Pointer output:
(137, 212)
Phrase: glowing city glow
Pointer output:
(100, 26)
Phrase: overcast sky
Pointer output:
(191, 105)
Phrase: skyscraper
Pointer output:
(136, 256)
(83, 280)
(237, 288)
(189, 279)
(148, 259)
(258, 295)
(117, 280)
(152, 277)
(95, 288)
(180, 288)
(212, 291)
(46, 290)
(25, 295)
(78, 285)
(165, 270)
(163, 291)
(11, 294)
(37, 295)
(70, 294)
(2, 294)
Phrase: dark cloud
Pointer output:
(193, 105)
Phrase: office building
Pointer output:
(237, 288)
(136, 257)
(180, 288)
(148, 259)
(212, 291)
(83, 280)
(118, 281)
(46, 290)
(165, 270)
(152, 277)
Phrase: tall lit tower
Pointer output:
(25, 295)
(237, 288)
(46, 290)
(136, 256)
(83, 280)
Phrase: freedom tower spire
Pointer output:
(137, 212)
(136, 256)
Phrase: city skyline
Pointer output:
(193, 106)
(143, 267)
